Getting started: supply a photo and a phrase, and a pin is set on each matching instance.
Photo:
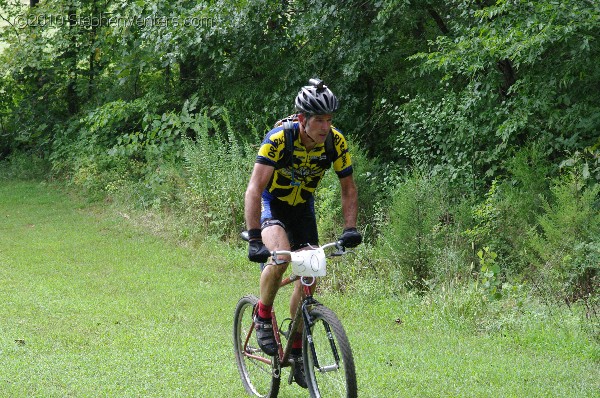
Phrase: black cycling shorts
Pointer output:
(299, 221)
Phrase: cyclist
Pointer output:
(279, 202)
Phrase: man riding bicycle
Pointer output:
(279, 201)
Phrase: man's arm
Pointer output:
(349, 201)
(258, 182)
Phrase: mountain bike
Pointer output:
(326, 353)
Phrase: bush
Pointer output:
(367, 176)
(83, 150)
(564, 252)
(419, 236)
(24, 166)
(218, 167)
(511, 208)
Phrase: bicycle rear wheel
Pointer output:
(260, 373)
(328, 362)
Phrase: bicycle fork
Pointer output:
(308, 324)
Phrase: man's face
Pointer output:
(318, 126)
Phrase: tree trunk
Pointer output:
(508, 73)
(92, 50)
(438, 20)
(71, 59)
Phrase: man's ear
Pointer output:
(302, 118)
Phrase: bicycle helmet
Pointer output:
(316, 99)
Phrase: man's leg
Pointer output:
(275, 238)
(304, 230)
(296, 338)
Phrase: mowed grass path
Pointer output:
(91, 306)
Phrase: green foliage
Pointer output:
(564, 251)
(161, 136)
(367, 176)
(489, 274)
(485, 217)
(444, 136)
(218, 167)
(83, 150)
(587, 163)
(328, 207)
(496, 83)
(511, 208)
(418, 220)
(22, 166)
(483, 87)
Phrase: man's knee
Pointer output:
(275, 271)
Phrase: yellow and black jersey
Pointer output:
(295, 183)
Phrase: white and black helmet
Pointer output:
(316, 99)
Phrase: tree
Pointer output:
(509, 73)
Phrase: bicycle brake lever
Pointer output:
(340, 250)
(337, 253)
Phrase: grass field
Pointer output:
(93, 306)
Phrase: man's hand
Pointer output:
(350, 237)
(257, 251)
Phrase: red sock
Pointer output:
(264, 311)
(297, 340)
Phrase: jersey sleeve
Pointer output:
(272, 148)
(342, 165)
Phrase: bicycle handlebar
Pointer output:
(341, 250)
(309, 261)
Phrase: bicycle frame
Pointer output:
(301, 315)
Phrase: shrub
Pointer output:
(25, 166)
(218, 166)
(417, 230)
(564, 251)
(83, 150)
(371, 193)
(511, 208)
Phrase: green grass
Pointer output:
(91, 306)
(426, 357)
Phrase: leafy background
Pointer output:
(474, 125)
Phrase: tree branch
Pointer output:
(13, 26)
(438, 20)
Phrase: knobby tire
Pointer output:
(330, 383)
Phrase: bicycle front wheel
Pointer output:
(260, 373)
(328, 361)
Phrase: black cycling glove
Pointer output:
(350, 237)
(257, 251)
